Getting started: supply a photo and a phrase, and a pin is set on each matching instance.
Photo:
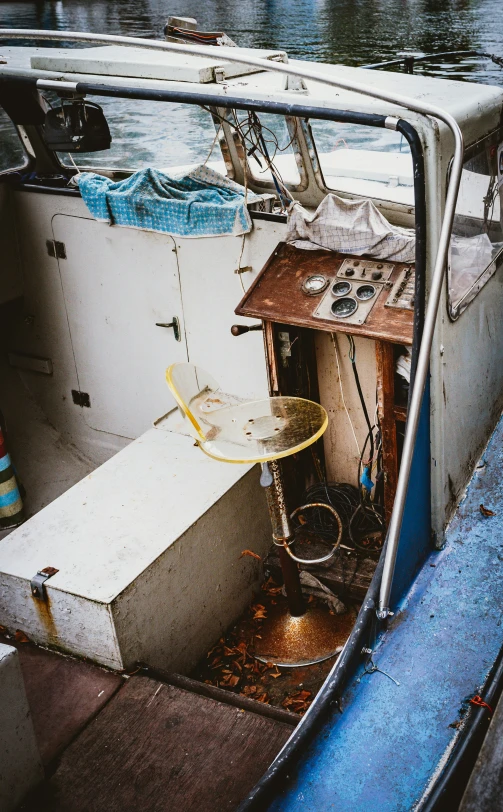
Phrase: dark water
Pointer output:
(353, 32)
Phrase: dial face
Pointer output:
(341, 288)
(314, 284)
(342, 308)
(365, 292)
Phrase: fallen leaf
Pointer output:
(229, 652)
(21, 637)
(251, 554)
(231, 680)
(3, 630)
(271, 587)
(486, 512)
(260, 614)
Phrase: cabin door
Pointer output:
(117, 283)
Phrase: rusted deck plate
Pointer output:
(63, 695)
(276, 295)
(156, 747)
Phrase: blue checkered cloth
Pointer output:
(202, 203)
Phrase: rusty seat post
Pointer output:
(282, 533)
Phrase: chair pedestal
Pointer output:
(302, 635)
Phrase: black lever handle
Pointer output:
(239, 329)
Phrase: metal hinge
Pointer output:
(81, 398)
(38, 581)
(56, 249)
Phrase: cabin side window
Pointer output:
(367, 162)
(476, 249)
(170, 137)
(12, 152)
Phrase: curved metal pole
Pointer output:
(417, 106)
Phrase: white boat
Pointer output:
(143, 534)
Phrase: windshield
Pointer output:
(364, 161)
(172, 137)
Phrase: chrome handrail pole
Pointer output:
(422, 108)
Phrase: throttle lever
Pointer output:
(239, 329)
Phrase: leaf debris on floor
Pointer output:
(231, 664)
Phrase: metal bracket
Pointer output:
(175, 324)
(37, 582)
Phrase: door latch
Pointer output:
(175, 324)
(37, 582)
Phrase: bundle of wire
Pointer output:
(362, 523)
(259, 140)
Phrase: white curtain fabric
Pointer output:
(351, 227)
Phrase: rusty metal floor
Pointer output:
(125, 743)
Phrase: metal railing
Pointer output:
(417, 106)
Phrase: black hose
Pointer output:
(446, 792)
(416, 150)
(327, 699)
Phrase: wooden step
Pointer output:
(156, 747)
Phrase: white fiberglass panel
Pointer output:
(117, 284)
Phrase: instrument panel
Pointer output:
(336, 292)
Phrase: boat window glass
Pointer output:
(364, 161)
(12, 153)
(476, 249)
(162, 135)
(269, 143)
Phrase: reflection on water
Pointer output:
(353, 32)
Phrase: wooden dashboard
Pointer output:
(278, 295)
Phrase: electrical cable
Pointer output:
(352, 358)
(332, 335)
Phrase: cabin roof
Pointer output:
(136, 67)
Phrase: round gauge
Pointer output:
(341, 288)
(365, 292)
(315, 284)
(342, 308)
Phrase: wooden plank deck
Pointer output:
(63, 695)
(156, 747)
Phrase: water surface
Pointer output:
(353, 32)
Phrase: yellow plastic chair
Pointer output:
(231, 429)
(234, 430)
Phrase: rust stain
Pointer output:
(44, 612)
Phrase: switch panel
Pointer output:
(365, 270)
(402, 292)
